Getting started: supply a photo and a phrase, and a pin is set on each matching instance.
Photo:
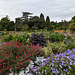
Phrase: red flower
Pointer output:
(18, 63)
(1, 60)
(0, 64)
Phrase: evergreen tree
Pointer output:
(47, 19)
(47, 24)
(42, 22)
(42, 17)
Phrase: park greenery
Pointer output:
(28, 22)
(33, 36)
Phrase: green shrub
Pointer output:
(8, 38)
(56, 37)
(23, 38)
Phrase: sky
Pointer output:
(57, 10)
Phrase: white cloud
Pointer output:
(56, 9)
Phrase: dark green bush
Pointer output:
(38, 39)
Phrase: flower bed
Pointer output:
(62, 64)
(15, 57)
(16, 54)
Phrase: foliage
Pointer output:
(37, 21)
(70, 45)
(25, 27)
(8, 38)
(61, 46)
(72, 26)
(3, 33)
(15, 57)
(42, 17)
(47, 51)
(56, 37)
(58, 47)
(47, 23)
(38, 39)
(4, 23)
(63, 63)
(34, 28)
(23, 38)
(5, 30)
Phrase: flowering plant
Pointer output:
(62, 64)
(14, 56)
(23, 38)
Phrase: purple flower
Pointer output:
(64, 70)
(69, 67)
(74, 50)
(45, 71)
(39, 72)
(53, 71)
(52, 64)
(52, 68)
(35, 69)
(71, 56)
(70, 63)
(47, 58)
(68, 50)
(60, 66)
(64, 64)
(36, 72)
(43, 64)
(67, 61)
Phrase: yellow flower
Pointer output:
(13, 36)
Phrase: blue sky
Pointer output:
(57, 10)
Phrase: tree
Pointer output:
(25, 27)
(41, 24)
(25, 17)
(42, 17)
(47, 24)
(47, 19)
(73, 18)
(35, 20)
(54, 24)
(4, 24)
(64, 25)
(72, 25)
(17, 22)
(11, 25)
